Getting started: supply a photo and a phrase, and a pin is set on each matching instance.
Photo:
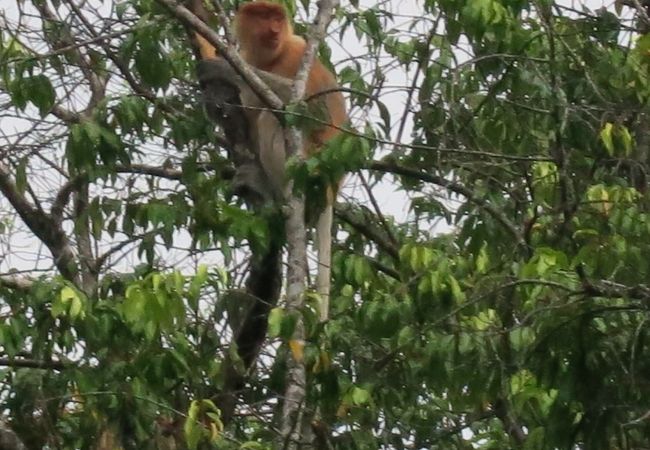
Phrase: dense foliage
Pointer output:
(490, 275)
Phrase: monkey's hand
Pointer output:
(220, 71)
(216, 71)
(220, 93)
(251, 183)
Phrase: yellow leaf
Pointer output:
(297, 349)
(342, 410)
(599, 195)
(214, 432)
(322, 363)
(325, 360)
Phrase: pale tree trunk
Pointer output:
(294, 396)
(293, 408)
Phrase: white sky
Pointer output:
(23, 252)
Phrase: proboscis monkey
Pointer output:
(267, 42)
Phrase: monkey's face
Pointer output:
(272, 24)
(262, 28)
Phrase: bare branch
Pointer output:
(42, 225)
(611, 289)
(158, 171)
(16, 282)
(229, 53)
(296, 377)
(65, 115)
(454, 187)
(641, 10)
(76, 45)
(31, 363)
(96, 82)
(364, 222)
(378, 213)
(63, 196)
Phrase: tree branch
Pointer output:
(16, 282)
(31, 364)
(296, 378)
(96, 83)
(47, 229)
(611, 289)
(229, 53)
(454, 187)
(63, 196)
(363, 221)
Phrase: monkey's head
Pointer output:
(263, 30)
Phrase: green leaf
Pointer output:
(201, 274)
(626, 137)
(642, 46)
(482, 260)
(607, 138)
(198, 281)
(134, 304)
(276, 316)
(360, 396)
(151, 63)
(522, 338)
(598, 196)
(41, 93)
(405, 337)
(192, 428)
(18, 94)
(70, 302)
(155, 281)
(208, 405)
(456, 291)
(374, 26)
(385, 115)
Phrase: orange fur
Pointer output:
(206, 50)
(268, 43)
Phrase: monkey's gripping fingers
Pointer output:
(220, 71)
(216, 71)
(250, 183)
(221, 94)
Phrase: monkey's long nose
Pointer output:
(273, 37)
(275, 26)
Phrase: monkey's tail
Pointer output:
(263, 286)
(264, 283)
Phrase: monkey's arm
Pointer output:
(212, 70)
(224, 94)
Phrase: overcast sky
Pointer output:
(22, 251)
